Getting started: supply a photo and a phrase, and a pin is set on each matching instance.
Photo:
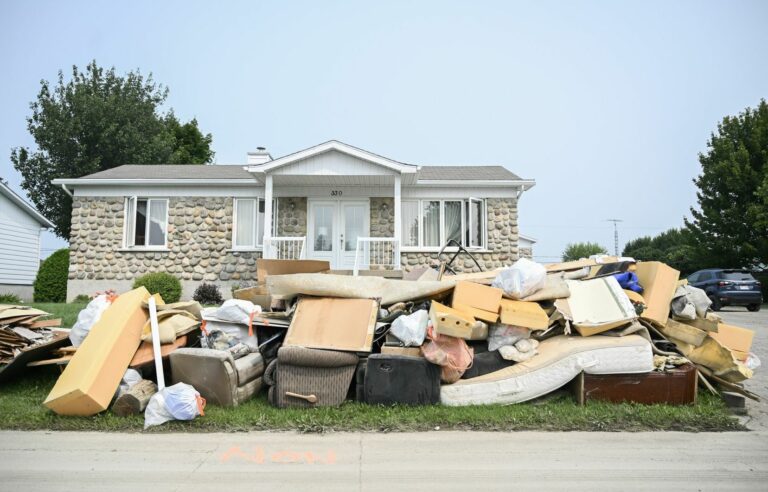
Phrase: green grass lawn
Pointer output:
(21, 408)
(67, 312)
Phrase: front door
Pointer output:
(333, 229)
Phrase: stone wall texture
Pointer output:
(502, 241)
(292, 216)
(199, 242)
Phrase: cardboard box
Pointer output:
(685, 333)
(525, 314)
(265, 268)
(710, 323)
(659, 283)
(488, 316)
(89, 382)
(451, 322)
(333, 323)
(735, 338)
(477, 296)
(596, 305)
(406, 351)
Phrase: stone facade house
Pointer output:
(354, 208)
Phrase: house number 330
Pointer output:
(336, 192)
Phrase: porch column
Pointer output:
(398, 218)
(267, 214)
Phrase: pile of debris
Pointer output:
(606, 328)
(26, 336)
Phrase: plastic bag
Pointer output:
(521, 351)
(522, 279)
(233, 311)
(411, 329)
(88, 317)
(178, 402)
(753, 361)
(500, 335)
(451, 353)
(690, 302)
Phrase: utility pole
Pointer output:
(615, 235)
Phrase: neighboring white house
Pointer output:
(20, 229)
(332, 201)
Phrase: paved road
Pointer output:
(758, 411)
(465, 461)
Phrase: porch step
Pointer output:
(371, 273)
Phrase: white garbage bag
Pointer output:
(178, 402)
(87, 318)
(522, 279)
(130, 378)
(411, 329)
(234, 317)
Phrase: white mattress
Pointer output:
(560, 359)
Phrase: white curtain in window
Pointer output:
(260, 224)
(158, 210)
(246, 223)
(453, 221)
(431, 223)
(410, 223)
(475, 223)
(130, 221)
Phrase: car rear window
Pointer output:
(737, 276)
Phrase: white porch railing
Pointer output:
(377, 253)
(285, 248)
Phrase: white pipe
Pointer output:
(64, 187)
(156, 344)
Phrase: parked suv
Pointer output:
(729, 288)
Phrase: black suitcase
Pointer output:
(485, 363)
(391, 379)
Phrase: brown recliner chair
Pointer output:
(217, 376)
(303, 377)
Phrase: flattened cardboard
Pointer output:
(488, 316)
(406, 351)
(451, 322)
(333, 323)
(711, 323)
(596, 305)
(735, 338)
(525, 314)
(477, 296)
(685, 333)
(659, 283)
(89, 381)
(265, 268)
(33, 353)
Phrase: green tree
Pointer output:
(675, 247)
(730, 226)
(95, 121)
(576, 251)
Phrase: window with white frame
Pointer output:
(146, 222)
(432, 223)
(248, 226)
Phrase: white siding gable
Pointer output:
(19, 244)
(333, 163)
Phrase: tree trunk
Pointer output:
(135, 399)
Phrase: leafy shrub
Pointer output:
(81, 299)
(9, 298)
(51, 282)
(208, 294)
(165, 284)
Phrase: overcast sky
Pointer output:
(605, 104)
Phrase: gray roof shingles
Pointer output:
(237, 171)
(173, 171)
(468, 173)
